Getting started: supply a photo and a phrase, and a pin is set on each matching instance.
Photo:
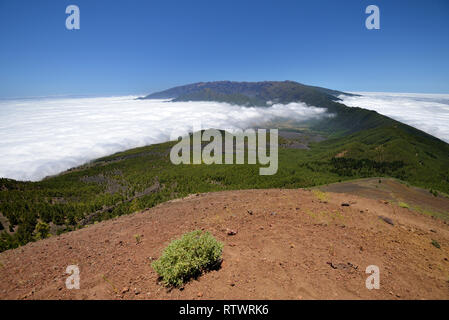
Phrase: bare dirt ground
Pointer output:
(392, 190)
(290, 244)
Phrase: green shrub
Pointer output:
(188, 257)
(42, 230)
(403, 205)
(436, 244)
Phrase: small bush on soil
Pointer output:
(322, 196)
(187, 257)
(42, 230)
(403, 205)
(436, 244)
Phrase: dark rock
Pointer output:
(387, 220)
(342, 266)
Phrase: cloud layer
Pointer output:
(42, 137)
(427, 112)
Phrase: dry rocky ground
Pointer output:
(289, 244)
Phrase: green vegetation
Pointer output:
(188, 257)
(360, 144)
(140, 178)
(322, 196)
(42, 230)
(114, 288)
(403, 205)
(436, 244)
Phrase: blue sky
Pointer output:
(136, 47)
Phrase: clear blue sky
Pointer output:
(134, 47)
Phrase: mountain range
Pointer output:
(353, 143)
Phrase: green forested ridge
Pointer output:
(345, 119)
(360, 143)
(143, 177)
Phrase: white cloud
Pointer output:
(42, 137)
(427, 112)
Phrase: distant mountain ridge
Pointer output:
(360, 127)
(346, 120)
(359, 144)
(259, 94)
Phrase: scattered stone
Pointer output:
(344, 204)
(434, 231)
(342, 266)
(232, 284)
(387, 220)
(199, 295)
(125, 290)
(250, 212)
(230, 232)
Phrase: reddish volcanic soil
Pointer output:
(290, 244)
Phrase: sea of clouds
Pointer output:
(427, 112)
(42, 137)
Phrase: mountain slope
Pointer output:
(257, 93)
(310, 245)
(346, 120)
(359, 144)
